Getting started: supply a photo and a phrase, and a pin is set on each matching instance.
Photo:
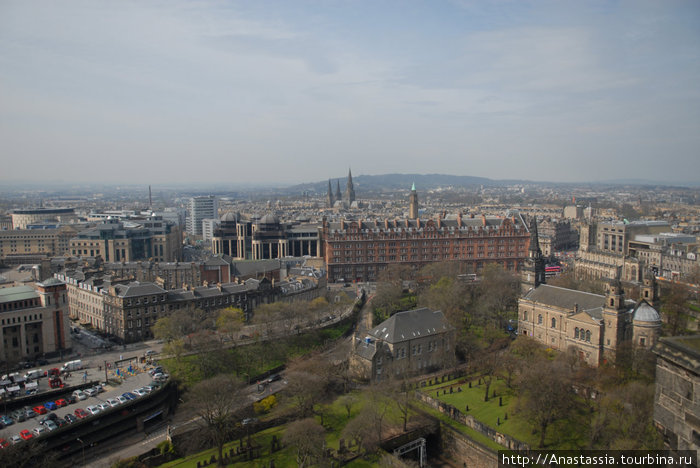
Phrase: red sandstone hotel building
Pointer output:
(359, 250)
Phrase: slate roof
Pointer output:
(138, 289)
(411, 324)
(565, 298)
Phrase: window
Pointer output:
(576, 333)
(525, 315)
(588, 336)
(554, 323)
(539, 319)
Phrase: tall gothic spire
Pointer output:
(349, 190)
(534, 239)
(330, 194)
(338, 193)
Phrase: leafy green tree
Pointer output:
(229, 322)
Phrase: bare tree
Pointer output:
(308, 439)
(545, 394)
(348, 401)
(215, 401)
(229, 323)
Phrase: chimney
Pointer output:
(459, 219)
(483, 220)
(386, 224)
(417, 223)
(439, 222)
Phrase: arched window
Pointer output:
(612, 302)
(588, 336)
(576, 333)
(525, 315)
(539, 319)
(554, 323)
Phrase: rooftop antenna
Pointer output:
(150, 199)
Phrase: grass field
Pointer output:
(568, 434)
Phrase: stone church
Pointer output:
(594, 325)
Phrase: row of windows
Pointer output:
(27, 318)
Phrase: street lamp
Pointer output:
(83, 443)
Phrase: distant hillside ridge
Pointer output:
(395, 182)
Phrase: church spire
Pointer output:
(330, 194)
(349, 190)
(534, 239)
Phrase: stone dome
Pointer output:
(646, 313)
(269, 219)
(228, 217)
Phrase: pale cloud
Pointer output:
(478, 88)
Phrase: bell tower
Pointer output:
(615, 316)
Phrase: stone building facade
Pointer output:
(34, 321)
(360, 250)
(594, 325)
(408, 343)
(19, 246)
(677, 398)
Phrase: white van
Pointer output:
(34, 374)
(71, 366)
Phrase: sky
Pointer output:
(286, 92)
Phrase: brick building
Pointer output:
(359, 250)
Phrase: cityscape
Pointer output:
(323, 234)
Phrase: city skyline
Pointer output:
(275, 93)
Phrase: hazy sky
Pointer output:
(293, 91)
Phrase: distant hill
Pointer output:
(393, 182)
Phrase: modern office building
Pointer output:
(201, 208)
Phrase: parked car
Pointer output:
(6, 420)
(140, 392)
(4, 444)
(50, 405)
(28, 412)
(93, 409)
(129, 396)
(70, 419)
(25, 434)
(90, 391)
(61, 403)
(122, 399)
(99, 388)
(37, 431)
(104, 406)
(51, 425)
(113, 402)
(40, 409)
(155, 370)
(15, 439)
(80, 395)
(80, 413)
(18, 415)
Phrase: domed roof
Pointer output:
(269, 219)
(228, 217)
(646, 313)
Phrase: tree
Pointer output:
(215, 401)
(402, 395)
(308, 439)
(229, 322)
(360, 432)
(674, 307)
(545, 395)
(347, 401)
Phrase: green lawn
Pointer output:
(568, 434)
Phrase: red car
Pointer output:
(81, 413)
(25, 434)
(4, 443)
(61, 403)
(40, 409)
